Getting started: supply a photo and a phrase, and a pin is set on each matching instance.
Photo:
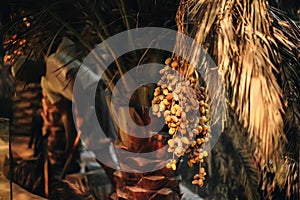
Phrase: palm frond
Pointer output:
(236, 167)
(288, 178)
(289, 78)
(290, 8)
(235, 173)
(253, 45)
(242, 155)
(246, 54)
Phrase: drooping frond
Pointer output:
(288, 178)
(242, 156)
(289, 77)
(233, 157)
(198, 55)
(246, 52)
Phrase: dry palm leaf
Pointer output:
(247, 56)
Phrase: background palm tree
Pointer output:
(42, 25)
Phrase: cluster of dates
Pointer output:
(182, 102)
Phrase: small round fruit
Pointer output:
(168, 61)
(200, 182)
(172, 131)
(174, 64)
(201, 170)
(197, 176)
(168, 166)
(173, 166)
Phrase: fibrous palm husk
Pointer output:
(160, 184)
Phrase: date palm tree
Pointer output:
(256, 49)
(40, 27)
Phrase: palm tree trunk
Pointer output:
(60, 134)
(158, 184)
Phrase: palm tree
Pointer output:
(41, 27)
(256, 48)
